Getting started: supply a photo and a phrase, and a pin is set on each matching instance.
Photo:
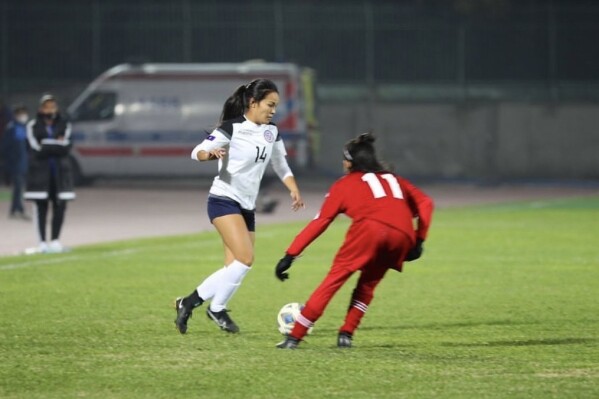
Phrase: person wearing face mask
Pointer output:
(50, 175)
(15, 154)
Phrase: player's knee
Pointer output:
(247, 258)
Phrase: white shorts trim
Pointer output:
(66, 196)
(36, 195)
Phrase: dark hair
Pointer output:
(19, 108)
(361, 153)
(239, 101)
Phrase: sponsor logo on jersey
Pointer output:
(211, 138)
(268, 136)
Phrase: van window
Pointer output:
(98, 106)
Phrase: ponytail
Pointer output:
(239, 102)
(235, 105)
(361, 153)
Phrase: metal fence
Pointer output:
(401, 50)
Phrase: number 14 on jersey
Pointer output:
(260, 155)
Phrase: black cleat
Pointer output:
(289, 343)
(344, 340)
(222, 320)
(183, 314)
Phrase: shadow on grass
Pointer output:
(528, 342)
(443, 326)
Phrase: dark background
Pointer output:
(455, 89)
(455, 42)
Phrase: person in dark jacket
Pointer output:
(50, 175)
(5, 118)
(15, 155)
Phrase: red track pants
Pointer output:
(370, 247)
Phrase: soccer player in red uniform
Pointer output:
(382, 235)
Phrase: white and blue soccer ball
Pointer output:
(287, 317)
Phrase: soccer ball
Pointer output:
(287, 316)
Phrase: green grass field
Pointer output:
(5, 195)
(504, 304)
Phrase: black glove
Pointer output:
(415, 252)
(282, 266)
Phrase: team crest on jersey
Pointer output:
(268, 136)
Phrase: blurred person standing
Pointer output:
(5, 118)
(50, 175)
(15, 158)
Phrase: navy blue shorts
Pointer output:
(221, 206)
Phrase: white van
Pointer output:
(144, 120)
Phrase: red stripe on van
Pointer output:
(127, 152)
(104, 151)
(165, 151)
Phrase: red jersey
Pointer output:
(383, 197)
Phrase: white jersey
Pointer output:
(251, 147)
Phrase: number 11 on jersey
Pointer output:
(376, 186)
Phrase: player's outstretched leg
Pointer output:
(361, 298)
(222, 320)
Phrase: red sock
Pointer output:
(301, 327)
(354, 316)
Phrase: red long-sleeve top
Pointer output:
(383, 197)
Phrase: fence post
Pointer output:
(187, 32)
(279, 40)
(369, 55)
(461, 60)
(551, 38)
(4, 47)
(96, 37)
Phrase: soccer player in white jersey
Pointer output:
(244, 143)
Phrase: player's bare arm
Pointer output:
(217, 153)
(296, 198)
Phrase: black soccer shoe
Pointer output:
(289, 343)
(183, 314)
(222, 320)
(344, 340)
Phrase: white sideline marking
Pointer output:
(127, 251)
(46, 261)
(38, 263)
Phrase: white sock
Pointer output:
(230, 281)
(207, 288)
